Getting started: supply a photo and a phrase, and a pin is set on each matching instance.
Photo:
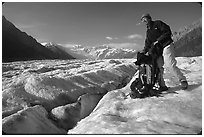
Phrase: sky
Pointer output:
(96, 23)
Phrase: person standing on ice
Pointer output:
(159, 34)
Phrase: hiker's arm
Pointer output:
(147, 46)
(165, 30)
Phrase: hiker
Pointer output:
(159, 34)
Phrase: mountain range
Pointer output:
(98, 52)
(18, 45)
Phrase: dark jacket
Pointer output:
(157, 31)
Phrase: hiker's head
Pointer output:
(146, 18)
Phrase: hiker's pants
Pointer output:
(169, 60)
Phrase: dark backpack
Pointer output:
(143, 85)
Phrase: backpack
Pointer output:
(143, 85)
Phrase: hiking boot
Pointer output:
(163, 88)
(184, 85)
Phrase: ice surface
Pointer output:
(59, 88)
(175, 111)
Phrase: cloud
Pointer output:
(111, 38)
(134, 36)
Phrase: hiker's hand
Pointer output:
(158, 49)
(154, 48)
(156, 42)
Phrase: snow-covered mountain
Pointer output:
(106, 52)
(97, 52)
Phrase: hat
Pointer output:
(147, 15)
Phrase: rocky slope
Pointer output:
(17, 45)
(188, 41)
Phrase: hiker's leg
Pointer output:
(160, 63)
(170, 62)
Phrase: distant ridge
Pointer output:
(97, 52)
(59, 53)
